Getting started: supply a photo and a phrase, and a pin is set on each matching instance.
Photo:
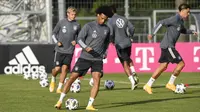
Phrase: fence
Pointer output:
(23, 21)
(31, 21)
(162, 14)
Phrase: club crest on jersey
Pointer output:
(179, 28)
(75, 27)
(94, 34)
(105, 32)
(57, 62)
(120, 23)
(64, 30)
(76, 68)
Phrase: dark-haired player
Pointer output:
(94, 40)
(169, 54)
(121, 29)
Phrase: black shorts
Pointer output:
(82, 66)
(124, 54)
(170, 55)
(62, 59)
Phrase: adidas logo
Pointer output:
(23, 63)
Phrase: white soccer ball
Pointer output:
(75, 88)
(44, 83)
(109, 84)
(43, 76)
(91, 82)
(35, 76)
(180, 89)
(27, 76)
(71, 104)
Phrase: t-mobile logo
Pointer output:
(144, 58)
(197, 57)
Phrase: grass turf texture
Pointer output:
(18, 95)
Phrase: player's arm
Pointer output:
(188, 31)
(164, 22)
(75, 38)
(82, 37)
(131, 29)
(107, 41)
(111, 36)
(55, 34)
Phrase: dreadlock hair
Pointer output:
(104, 9)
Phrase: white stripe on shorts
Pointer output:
(55, 56)
(171, 52)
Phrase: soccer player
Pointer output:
(169, 54)
(121, 29)
(64, 35)
(94, 40)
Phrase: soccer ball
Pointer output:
(71, 104)
(35, 76)
(44, 83)
(75, 88)
(109, 84)
(43, 76)
(180, 89)
(27, 76)
(91, 82)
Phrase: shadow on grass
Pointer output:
(120, 104)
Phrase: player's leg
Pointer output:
(80, 67)
(64, 70)
(63, 74)
(131, 66)
(176, 58)
(55, 71)
(162, 67)
(97, 70)
(124, 57)
(66, 88)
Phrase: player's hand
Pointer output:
(104, 56)
(88, 49)
(195, 33)
(59, 44)
(150, 36)
(73, 43)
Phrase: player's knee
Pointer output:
(164, 67)
(181, 65)
(73, 76)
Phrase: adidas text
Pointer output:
(22, 69)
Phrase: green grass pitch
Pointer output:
(19, 95)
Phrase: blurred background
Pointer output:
(32, 21)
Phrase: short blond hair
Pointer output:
(71, 8)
